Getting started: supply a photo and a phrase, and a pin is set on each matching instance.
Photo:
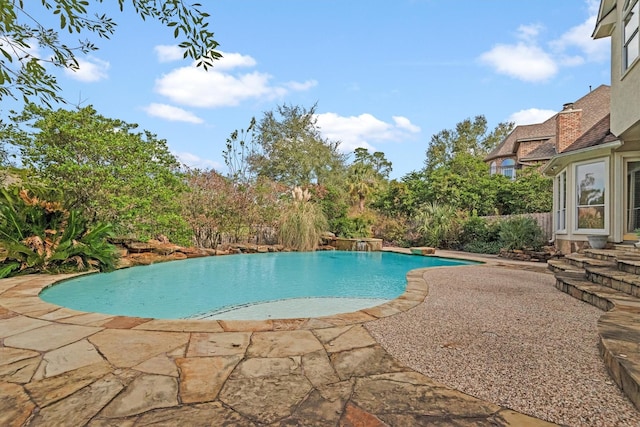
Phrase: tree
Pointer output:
(290, 149)
(105, 169)
(470, 137)
(376, 161)
(22, 71)
(366, 174)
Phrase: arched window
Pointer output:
(508, 168)
(493, 168)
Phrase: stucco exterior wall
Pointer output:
(625, 86)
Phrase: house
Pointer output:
(534, 144)
(597, 177)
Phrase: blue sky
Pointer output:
(386, 75)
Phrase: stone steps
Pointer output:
(609, 280)
(583, 261)
(622, 281)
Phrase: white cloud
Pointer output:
(168, 53)
(530, 60)
(579, 38)
(234, 60)
(404, 123)
(360, 131)
(529, 33)
(525, 62)
(193, 161)
(90, 70)
(220, 87)
(530, 116)
(302, 86)
(169, 112)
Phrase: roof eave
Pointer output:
(561, 160)
(606, 19)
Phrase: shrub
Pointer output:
(521, 233)
(481, 247)
(354, 226)
(302, 223)
(475, 229)
(438, 225)
(392, 230)
(42, 236)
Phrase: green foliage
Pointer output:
(531, 192)
(377, 162)
(482, 247)
(394, 231)
(478, 229)
(469, 137)
(521, 232)
(302, 222)
(42, 236)
(438, 225)
(22, 72)
(333, 199)
(290, 149)
(354, 226)
(105, 169)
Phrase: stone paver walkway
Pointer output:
(61, 367)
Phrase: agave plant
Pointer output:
(42, 236)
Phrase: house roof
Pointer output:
(594, 106)
(599, 134)
(543, 152)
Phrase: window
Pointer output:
(591, 186)
(493, 168)
(508, 168)
(633, 196)
(561, 201)
(631, 48)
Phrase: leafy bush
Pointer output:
(392, 230)
(42, 236)
(302, 223)
(482, 247)
(438, 225)
(521, 233)
(354, 226)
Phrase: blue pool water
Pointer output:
(293, 284)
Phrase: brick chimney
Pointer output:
(568, 127)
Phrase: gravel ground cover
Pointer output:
(508, 336)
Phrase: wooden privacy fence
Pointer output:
(544, 220)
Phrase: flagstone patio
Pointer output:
(63, 367)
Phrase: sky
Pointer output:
(385, 74)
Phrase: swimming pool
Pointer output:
(258, 286)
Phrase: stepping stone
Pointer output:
(140, 345)
(220, 344)
(202, 378)
(18, 324)
(82, 405)
(68, 358)
(50, 337)
(15, 405)
(144, 394)
(283, 344)
(17, 365)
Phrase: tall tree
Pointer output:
(291, 150)
(23, 72)
(104, 168)
(377, 161)
(366, 174)
(470, 137)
